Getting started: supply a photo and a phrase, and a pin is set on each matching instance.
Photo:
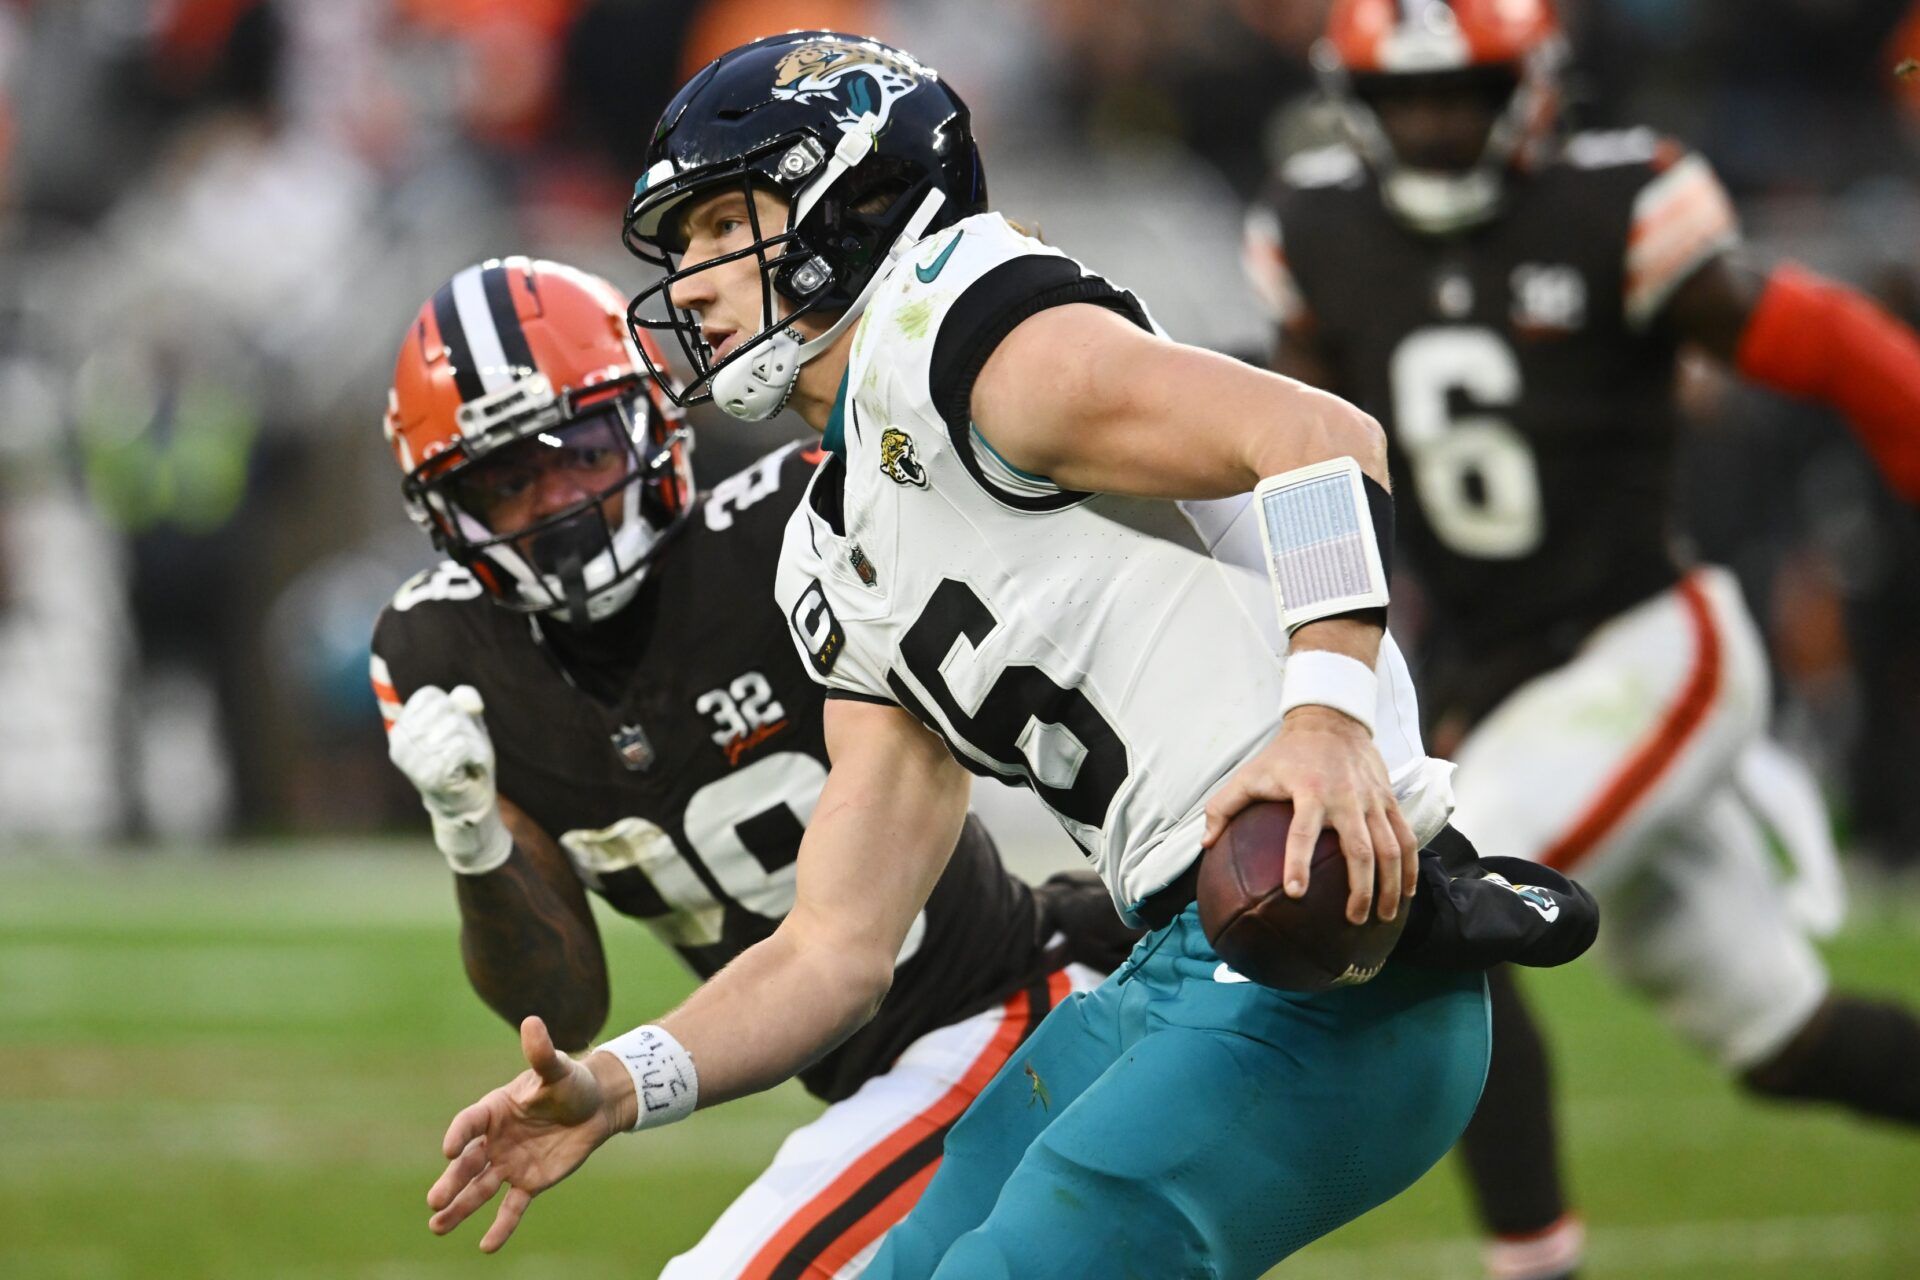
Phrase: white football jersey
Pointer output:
(1121, 656)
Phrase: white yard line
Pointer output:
(1679, 1247)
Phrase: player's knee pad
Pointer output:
(1722, 1016)
(1703, 934)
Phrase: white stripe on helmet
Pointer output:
(483, 339)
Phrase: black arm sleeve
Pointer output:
(991, 308)
(1474, 913)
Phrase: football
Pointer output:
(1294, 944)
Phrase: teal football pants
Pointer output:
(1170, 1124)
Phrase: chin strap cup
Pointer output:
(756, 387)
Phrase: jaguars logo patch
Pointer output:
(897, 459)
(1539, 899)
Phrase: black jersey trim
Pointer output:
(852, 695)
(991, 308)
(826, 496)
(453, 336)
(506, 319)
(896, 1173)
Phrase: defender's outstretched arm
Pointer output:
(528, 937)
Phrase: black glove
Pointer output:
(1077, 904)
(1488, 911)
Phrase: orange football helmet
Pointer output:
(537, 451)
(1510, 49)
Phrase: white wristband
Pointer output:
(472, 846)
(1316, 677)
(665, 1084)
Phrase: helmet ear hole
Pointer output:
(805, 280)
(879, 197)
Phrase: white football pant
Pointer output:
(1641, 767)
(837, 1184)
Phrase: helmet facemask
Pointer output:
(847, 216)
(559, 508)
(1445, 198)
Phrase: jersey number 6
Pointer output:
(1027, 727)
(1474, 473)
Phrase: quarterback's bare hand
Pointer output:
(1325, 763)
(526, 1135)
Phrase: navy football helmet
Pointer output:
(871, 151)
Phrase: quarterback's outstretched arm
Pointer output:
(886, 823)
(888, 818)
(1091, 400)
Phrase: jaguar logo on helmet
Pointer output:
(868, 150)
(865, 79)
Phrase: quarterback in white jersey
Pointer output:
(1033, 555)
(1121, 654)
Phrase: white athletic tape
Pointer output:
(665, 1084)
(1316, 677)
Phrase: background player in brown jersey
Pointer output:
(1510, 301)
(596, 692)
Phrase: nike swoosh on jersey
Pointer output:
(927, 274)
(1227, 973)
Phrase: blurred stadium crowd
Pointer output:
(216, 216)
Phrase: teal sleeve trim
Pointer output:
(1024, 475)
(834, 438)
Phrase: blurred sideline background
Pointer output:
(231, 1012)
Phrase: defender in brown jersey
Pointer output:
(596, 693)
(1509, 302)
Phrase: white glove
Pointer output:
(440, 742)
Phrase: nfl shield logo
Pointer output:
(630, 742)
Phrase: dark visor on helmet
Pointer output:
(554, 494)
(512, 490)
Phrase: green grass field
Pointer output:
(241, 1066)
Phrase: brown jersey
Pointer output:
(1525, 378)
(675, 752)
